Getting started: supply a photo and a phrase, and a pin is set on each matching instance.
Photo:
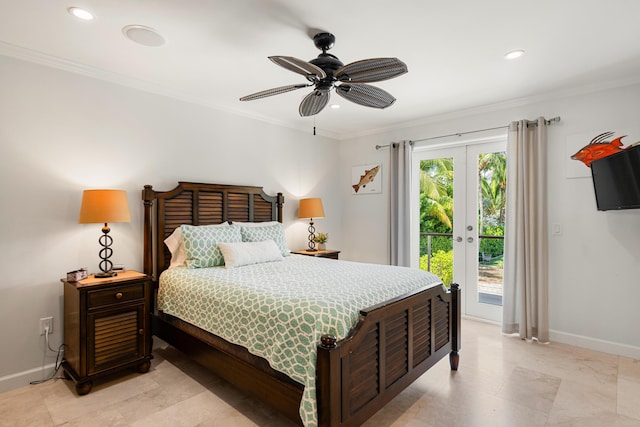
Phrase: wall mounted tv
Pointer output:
(616, 180)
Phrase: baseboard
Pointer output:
(21, 379)
(481, 320)
(610, 347)
(595, 344)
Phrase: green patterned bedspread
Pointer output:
(279, 310)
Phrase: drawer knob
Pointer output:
(118, 295)
(141, 332)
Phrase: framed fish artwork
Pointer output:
(366, 179)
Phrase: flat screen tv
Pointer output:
(616, 180)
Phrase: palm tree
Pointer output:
(436, 199)
(492, 174)
(436, 184)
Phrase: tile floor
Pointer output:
(502, 381)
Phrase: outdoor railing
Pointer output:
(428, 249)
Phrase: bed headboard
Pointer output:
(199, 204)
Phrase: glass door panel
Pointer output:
(436, 177)
(491, 216)
(486, 209)
(465, 244)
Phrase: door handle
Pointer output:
(470, 239)
(458, 239)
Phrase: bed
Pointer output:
(392, 343)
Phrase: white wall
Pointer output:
(595, 262)
(61, 133)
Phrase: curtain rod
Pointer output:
(529, 122)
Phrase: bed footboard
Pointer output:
(392, 345)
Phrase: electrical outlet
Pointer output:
(44, 322)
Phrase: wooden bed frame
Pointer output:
(391, 346)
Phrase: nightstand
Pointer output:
(107, 327)
(324, 253)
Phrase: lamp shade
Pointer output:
(311, 208)
(103, 206)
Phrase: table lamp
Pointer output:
(311, 208)
(104, 206)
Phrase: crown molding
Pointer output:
(52, 61)
(557, 94)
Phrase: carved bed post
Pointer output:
(148, 195)
(328, 392)
(454, 357)
(279, 203)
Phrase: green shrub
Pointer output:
(441, 265)
(438, 243)
(492, 247)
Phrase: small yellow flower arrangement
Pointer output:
(321, 238)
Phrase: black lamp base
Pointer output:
(312, 237)
(105, 274)
(106, 266)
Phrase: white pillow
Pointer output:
(246, 253)
(176, 246)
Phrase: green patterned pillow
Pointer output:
(259, 233)
(201, 244)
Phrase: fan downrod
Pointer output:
(327, 62)
(324, 41)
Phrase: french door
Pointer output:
(462, 245)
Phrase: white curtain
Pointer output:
(399, 198)
(525, 301)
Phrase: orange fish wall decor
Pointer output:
(598, 148)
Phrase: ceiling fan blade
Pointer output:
(299, 66)
(313, 103)
(367, 95)
(371, 70)
(274, 91)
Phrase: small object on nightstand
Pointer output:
(326, 253)
(79, 274)
(107, 327)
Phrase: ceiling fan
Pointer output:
(327, 72)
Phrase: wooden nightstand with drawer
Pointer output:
(107, 327)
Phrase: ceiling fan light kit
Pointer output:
(327, 72)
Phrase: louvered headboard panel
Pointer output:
(199, 204)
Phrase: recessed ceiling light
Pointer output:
(143, 35)
(514, 54)
(80, 13)
(335, 106)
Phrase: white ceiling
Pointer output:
(217, 50)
